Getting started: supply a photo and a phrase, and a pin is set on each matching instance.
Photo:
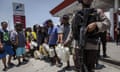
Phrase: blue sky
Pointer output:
(36, 11)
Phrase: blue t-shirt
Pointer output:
(53, 35)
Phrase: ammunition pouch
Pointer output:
(92, 41)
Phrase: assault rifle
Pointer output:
(83, 37)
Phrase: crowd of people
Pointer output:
(32, 42)
(40, 41)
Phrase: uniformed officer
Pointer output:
(96, 22)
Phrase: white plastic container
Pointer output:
(59, 50)
(66, 54)
(63, 53)
(46, 46)
(51, 52)
(37, 54)
(34, 44)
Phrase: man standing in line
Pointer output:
(65, 28)
(5, 40)
(54, 38)
(20, 42)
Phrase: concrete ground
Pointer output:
(34, 65)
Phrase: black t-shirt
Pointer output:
(5, 37)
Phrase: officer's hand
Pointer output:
(91, 27)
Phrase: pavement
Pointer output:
(111, 64)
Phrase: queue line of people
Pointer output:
(39, 41)
(19, 43)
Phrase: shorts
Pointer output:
(20, 51)
(2, 55)
(7, 50)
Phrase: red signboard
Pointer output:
(19, 19)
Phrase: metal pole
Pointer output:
(112, 23)
(116, 5)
